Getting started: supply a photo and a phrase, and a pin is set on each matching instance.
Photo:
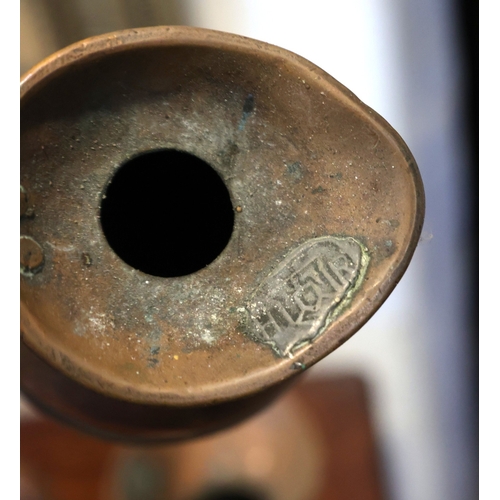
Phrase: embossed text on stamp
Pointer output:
(297, 300)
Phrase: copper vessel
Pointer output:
(140, 322)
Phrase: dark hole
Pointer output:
(233, 493)
(167, 213)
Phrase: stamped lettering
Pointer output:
(298, 300)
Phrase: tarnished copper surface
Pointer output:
(305, 163)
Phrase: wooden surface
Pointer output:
(59, 463)
(340, 407)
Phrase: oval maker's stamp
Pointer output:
(302, 296)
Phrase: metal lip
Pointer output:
(370, 298)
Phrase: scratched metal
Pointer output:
(296, 301)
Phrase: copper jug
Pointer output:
(203, 217)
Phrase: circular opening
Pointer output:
(233, 493)
(167, 213)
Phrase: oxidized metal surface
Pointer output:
(32, 259)
(298, 300)
(313, 174)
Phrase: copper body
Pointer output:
(309, 169)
